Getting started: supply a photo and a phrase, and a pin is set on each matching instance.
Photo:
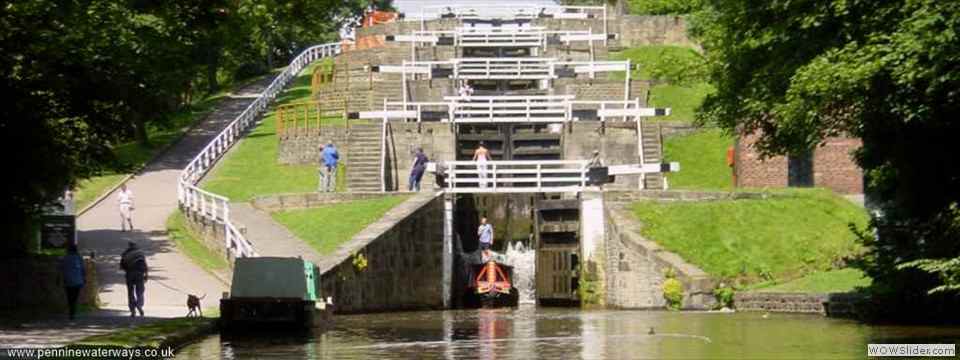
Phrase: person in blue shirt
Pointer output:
(73, 277)
(416, 172)
(328, 167)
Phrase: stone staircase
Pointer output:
(364, 157)
(652, 153)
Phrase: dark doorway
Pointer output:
(800, 170)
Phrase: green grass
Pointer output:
(251, 168)
(683, 101)
(132, 156)
(326, 227)
(774, 239)
(188, 244)
(703, 160)
(150, 334)
(843, 280)
(682, 70)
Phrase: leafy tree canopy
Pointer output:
(886, 72)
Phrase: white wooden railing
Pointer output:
(480, 11)
(529, 68)
(216, 208)
(515, 109)
(512, 36)
(515, 176)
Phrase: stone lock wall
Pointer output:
(602, 89)
(617, 145)
(833, 165)
(638, 30)
(636, 266)
(436, 139)
(304, 148)
(404, 262)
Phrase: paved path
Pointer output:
(172, 274)
(269, 237)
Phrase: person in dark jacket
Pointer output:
(73, 277)
(134, 264)
(416, 172)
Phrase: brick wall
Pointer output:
(833, 165)
(754, 171)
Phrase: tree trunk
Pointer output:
(140, 130)
(212, 84)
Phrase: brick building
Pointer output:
(830, 165)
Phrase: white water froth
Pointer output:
(523, 260)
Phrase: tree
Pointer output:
(886, 72)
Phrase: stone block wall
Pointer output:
(842, 305)
(437, 140)
(404, 254)
(304, 148)
(36, 284)
(636, 266)
(601, 89)
(617, 145)
(211, 234)
(833, 165)
(638, 30)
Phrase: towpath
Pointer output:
(172, 274)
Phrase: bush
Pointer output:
(724, 296)
(664, 7)
(673, 291)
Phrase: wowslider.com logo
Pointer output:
(931, 350)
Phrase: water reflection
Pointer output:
(529, 332)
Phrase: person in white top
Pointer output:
(481, 155)
(125, 200)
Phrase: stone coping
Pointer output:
(695, 280)
(372, 232)
(829, 304)
(281, 202)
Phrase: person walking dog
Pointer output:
(134, 264)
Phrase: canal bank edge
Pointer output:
(173, 333)
(637, 267)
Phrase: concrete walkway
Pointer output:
(172, 274)
(269, 237)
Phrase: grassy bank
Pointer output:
(703, 162)
(251, 168)
(187, 242)
(842, 280)
(132, 156)
(680, 68)
(326, 227)
(769, 240)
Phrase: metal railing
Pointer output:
(216, 208)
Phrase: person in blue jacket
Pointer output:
(73, 277)
(416, 171)
(329, 158)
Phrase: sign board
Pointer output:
(58, 230)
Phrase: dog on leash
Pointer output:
(193, 304)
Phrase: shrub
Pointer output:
(673, 291)
(724, 296)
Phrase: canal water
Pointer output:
(529, 332)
